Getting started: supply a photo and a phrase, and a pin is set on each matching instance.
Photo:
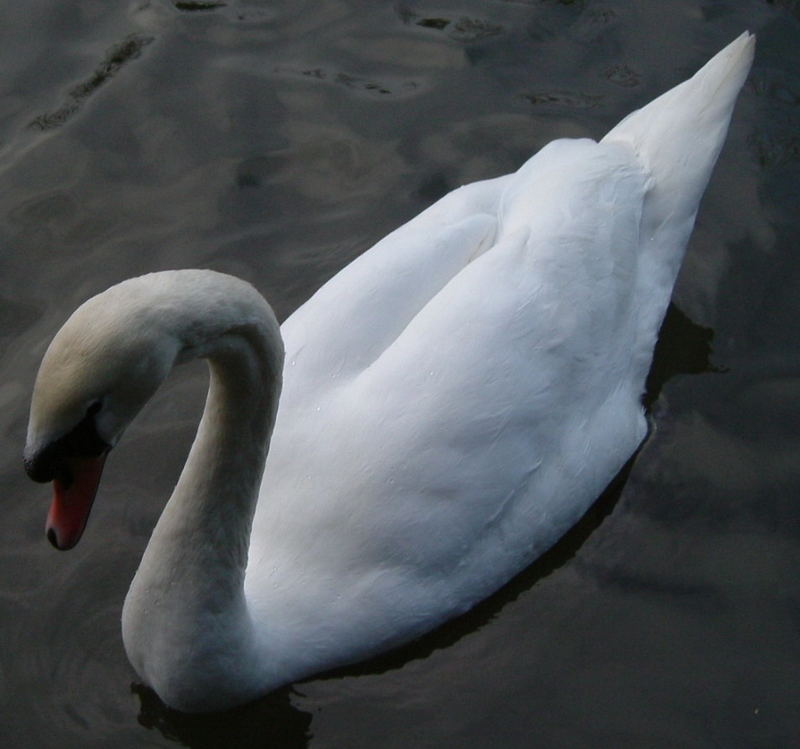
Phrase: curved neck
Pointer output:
(211, 508)
(185, 612)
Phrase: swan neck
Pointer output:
(218, 487)
(186, 612)
(214, 500)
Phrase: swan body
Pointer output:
(448, 405)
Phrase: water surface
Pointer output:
(279, 140)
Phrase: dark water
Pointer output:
(277, 141)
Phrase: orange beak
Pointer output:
(72, 501)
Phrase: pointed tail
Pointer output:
(678, 136)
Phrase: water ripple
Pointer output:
(116, 57)
(354, 83)
(557, 100)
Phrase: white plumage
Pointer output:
(452, 402)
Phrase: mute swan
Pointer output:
(450, 404)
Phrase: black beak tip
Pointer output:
(52, 537)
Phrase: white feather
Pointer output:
(452, 402)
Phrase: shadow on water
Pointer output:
(683, 348)
(270, 722)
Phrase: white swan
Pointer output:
(452, 402)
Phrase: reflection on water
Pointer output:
(270, 722)
(277, 141)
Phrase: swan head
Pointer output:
(98, 372)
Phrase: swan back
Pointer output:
(473, 418)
